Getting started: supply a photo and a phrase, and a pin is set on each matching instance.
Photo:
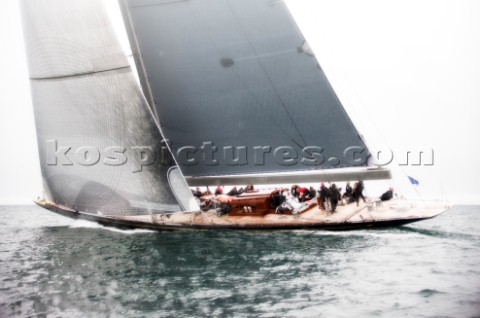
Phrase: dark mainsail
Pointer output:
(240, 95)
(101, 150)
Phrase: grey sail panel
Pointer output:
(236, 77)
(100, 148)
(70, 37)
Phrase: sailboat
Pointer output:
(229, 93)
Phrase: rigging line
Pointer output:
(378, 131)
(266, 73)
(237, 76)
(366, 111)
(78, 74)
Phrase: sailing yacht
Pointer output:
(229, 94)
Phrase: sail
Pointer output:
(239, 94)
(101, 150)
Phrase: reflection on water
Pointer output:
(57, 267)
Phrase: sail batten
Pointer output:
(79, 74)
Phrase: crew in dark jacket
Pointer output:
(324, 193)
(348, 195)
(387, 195)
(358, 192)
(334, 197)
(197, 193)
(304, 194)
(313, 192)
(233, 192)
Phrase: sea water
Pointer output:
(51, 266)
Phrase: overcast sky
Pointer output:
(408, 73)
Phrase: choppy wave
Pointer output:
(51, 266)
